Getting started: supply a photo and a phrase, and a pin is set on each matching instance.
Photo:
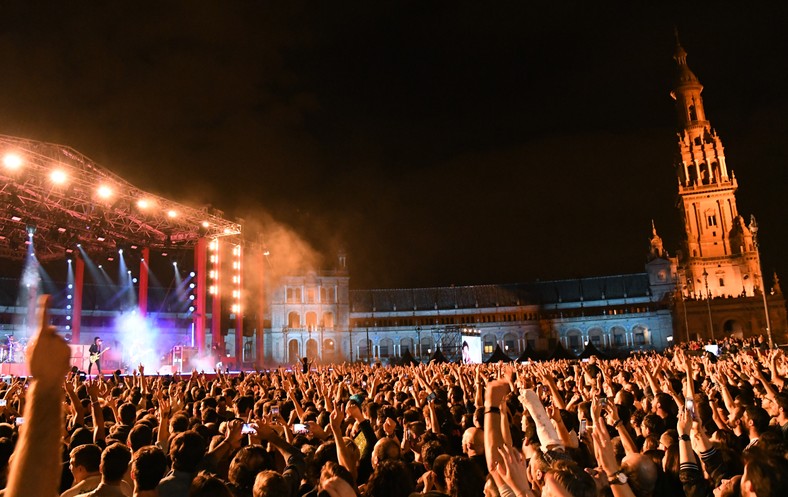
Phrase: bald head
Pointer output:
(385, 448)
(642, 473)
(473, 442)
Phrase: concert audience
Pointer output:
(681, 422)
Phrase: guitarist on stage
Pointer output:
(95, 355)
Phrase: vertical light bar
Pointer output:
(200, 311)
(237, 310)
(216, 294)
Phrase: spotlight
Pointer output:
(58, 176)
(69, 297)
(31, 230)
(100, 266)
(104, 191)
(69, 261)
(172, 214)
(191, 285)
(79, 245)
(129, 271)
(206, 224)
(134, 280)
(191, 308)
(16, 219)
(192, 274)
(175, 263)
(120, 251)
(70, 286)
(191, 297)
(143, 203)
(100, 238)
(12, 161)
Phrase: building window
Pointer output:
(489, 347)
(293, 295)
(619, 340)
(712, 220)
(640, 338)
(722, 282)
(574, 341)
(327, 295)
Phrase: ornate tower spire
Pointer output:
(718, 241)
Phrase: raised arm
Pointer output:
(35, 468)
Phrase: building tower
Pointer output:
(720, 258)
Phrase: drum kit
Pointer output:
(13, 350)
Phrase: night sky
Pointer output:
(438, 143)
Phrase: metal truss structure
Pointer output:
(449, 339)
(67, 199)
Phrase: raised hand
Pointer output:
(49, 354)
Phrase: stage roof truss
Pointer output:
(63, 215)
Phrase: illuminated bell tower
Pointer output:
(720, 258)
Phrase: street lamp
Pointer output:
(708, 302)
(754, 231)
(418, 336)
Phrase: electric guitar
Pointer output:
(95, 357)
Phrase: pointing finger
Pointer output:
(43, 314)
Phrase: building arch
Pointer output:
(328, 320)
(293, 352)
(510, 344)
(488, 343)
(619, 336)
(574, 339)
(406, 344)
(311, 349)
(640, 335)
(311, 320)
(386, 348)
(293, 320)
(596, 337)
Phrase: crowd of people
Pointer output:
(681, 422)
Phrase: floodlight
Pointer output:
(12, 161)
(58, 176)
(104, 191)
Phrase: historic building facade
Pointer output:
(713, 288)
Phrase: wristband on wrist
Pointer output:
(684, 438)
(492, 410)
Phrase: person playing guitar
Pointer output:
(95, 355)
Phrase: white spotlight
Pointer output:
(12, 161)
(104, 191)
(172, 214)
(58, 176)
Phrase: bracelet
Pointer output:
(684, 438)
(492, 410)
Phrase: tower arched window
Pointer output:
(693, 114)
